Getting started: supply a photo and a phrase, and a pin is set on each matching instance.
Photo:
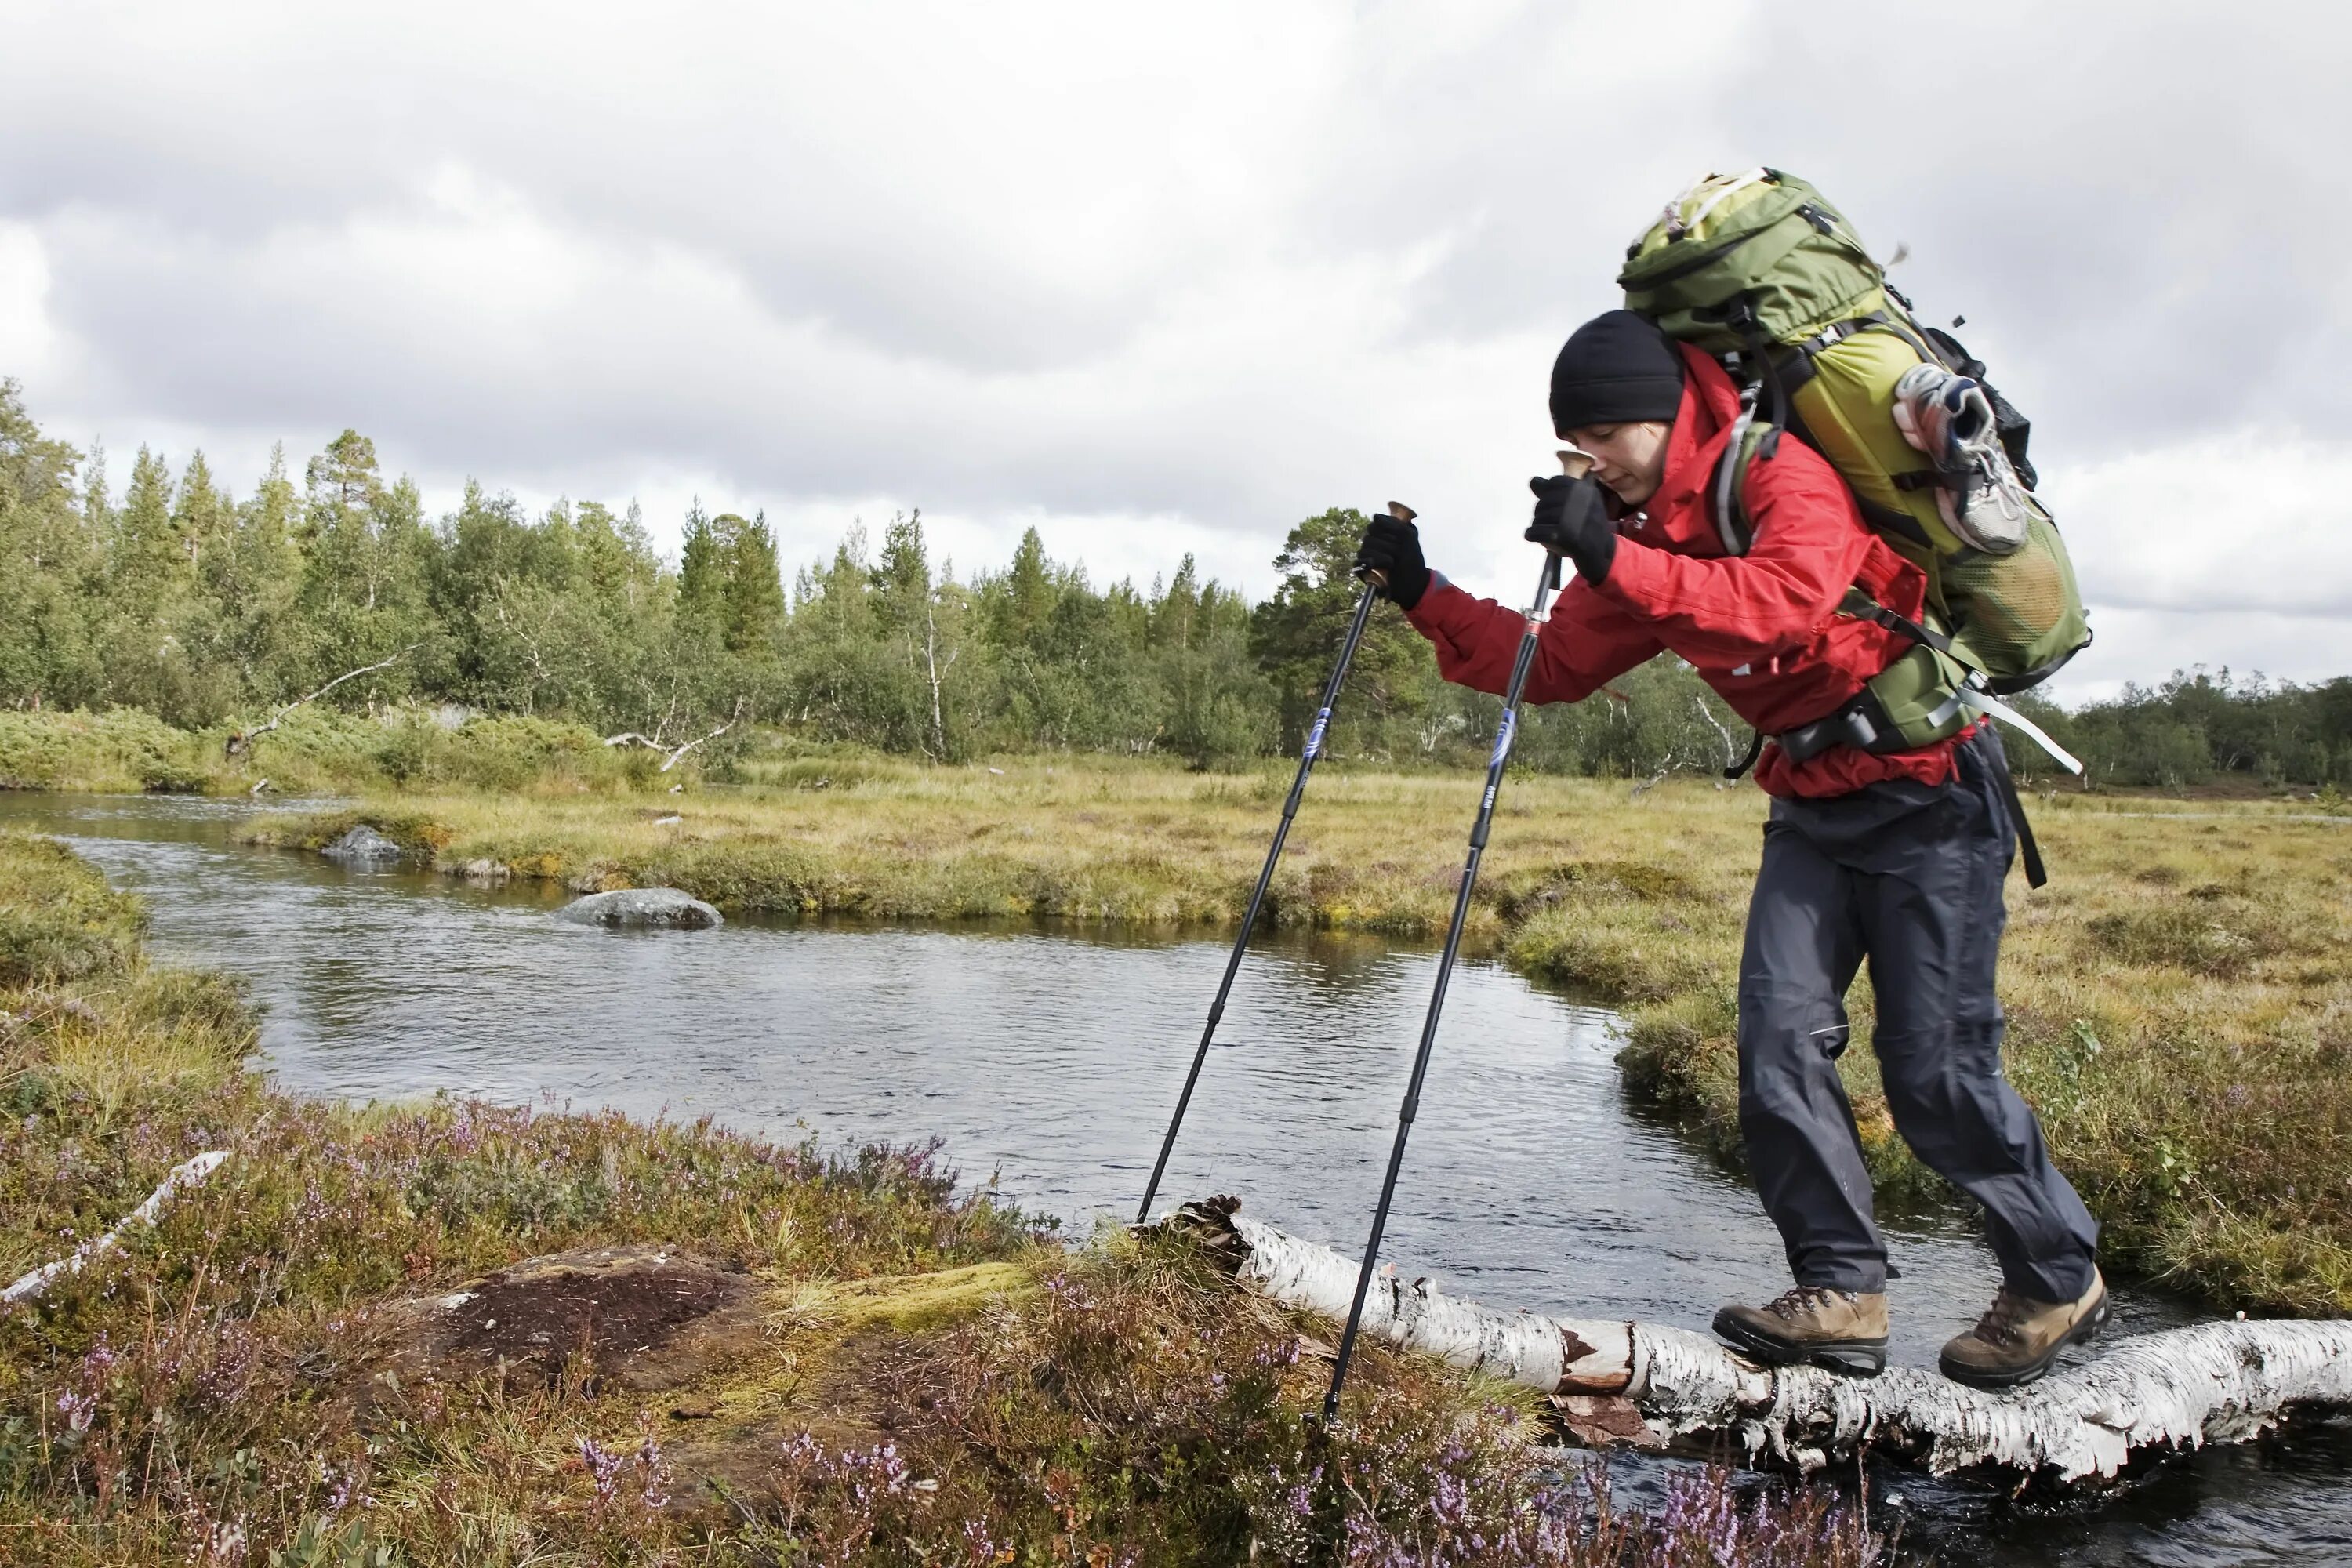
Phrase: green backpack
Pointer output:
(1761, 271)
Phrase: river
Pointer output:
(1049, 1061)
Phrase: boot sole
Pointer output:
(2082, 1332)
(1849, 1358)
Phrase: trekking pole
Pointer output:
(1572, 463)
(1373, 584)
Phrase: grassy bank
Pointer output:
(332, 1353)
(2180, 1006)
(315, 750)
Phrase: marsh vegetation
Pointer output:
(457, 1332)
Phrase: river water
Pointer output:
(1050, 1061)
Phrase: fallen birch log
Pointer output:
(187, 1174)
(1616, 1382)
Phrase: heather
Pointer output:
(905, 1369)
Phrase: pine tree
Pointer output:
(755, 585)
(45, 653)
(203, 515)
(702, 573)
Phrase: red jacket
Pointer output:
(1763, 629)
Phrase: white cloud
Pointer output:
(28, 339)
(1150, 281)
(2243, 520)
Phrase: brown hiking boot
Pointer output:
(1834, 1328)
(2018, 1337)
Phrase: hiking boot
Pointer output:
(1951, 419)
(1842, 1331)
(2018, 1337)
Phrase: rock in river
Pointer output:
(363, 845)
(663, 907)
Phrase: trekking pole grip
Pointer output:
(1380, 580)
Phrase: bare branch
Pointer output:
(187, 1174)
(1730, 752)
(245, 738)
(676, 755)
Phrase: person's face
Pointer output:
(1631, 459)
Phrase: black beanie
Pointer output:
(1616, 369)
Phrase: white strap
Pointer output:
(1978, 703)
(1739, 183)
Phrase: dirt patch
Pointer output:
(610, 1313)
(646, 1318)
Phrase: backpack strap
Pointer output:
(1728, 487)
(1862, 607)
(2036, 874)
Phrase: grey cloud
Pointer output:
(953, 263)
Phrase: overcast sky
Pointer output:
(1168, 279)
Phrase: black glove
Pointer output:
(1572, 520)
(1392, 547)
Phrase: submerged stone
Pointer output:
(664, 907)
(363, 845)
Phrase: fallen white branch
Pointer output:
(633, 738)
(2214, 1383)
(244, 738)
(188, 1173)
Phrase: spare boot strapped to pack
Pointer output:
(1761, 271)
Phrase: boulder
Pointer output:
(664, 907)
(363, 845)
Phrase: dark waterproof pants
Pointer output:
(1908, 876)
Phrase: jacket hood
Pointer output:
(1702, 428)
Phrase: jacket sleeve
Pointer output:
(1588, 641)
(1730, 609)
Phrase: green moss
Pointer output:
(911, 1303)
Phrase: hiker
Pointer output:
(1896, 857)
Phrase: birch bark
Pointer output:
(1653, 1385)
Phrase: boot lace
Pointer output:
(1791, 1304)
(2003, 1320)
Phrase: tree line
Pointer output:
(175, 596)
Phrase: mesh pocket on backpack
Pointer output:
(2017, 610)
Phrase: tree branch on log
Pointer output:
(1613, 1381)
(631, 738)
(245, 738)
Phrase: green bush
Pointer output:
(120, 749)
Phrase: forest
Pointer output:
(169, 593)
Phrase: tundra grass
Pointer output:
(217, 1391)
(2180, 995)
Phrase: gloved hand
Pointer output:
(1572, 520)
(1392, 547)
